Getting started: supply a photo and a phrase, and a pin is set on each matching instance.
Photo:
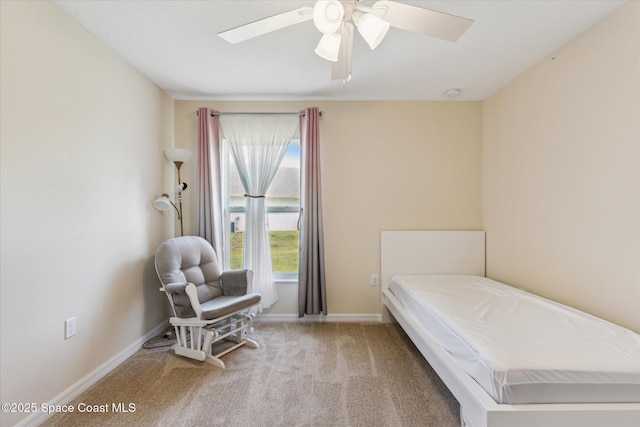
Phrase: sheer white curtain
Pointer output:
(258, 144)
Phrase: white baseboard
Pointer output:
(78, 388)
(293, 317)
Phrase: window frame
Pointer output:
(228, 210)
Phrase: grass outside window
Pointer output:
(284, 251)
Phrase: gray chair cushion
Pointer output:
(223, 305)
(181, 302)
(234, 282)
(191, 259)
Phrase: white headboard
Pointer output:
(431, 252)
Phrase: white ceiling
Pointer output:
(174, 44)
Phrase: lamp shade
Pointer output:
(372, 29)
(329, 46)
(163, 203)
(177, 154)
(327, 15)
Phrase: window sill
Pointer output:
(285, 280)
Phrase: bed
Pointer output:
(433, 284)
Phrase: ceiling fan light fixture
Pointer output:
(372, 29)
(329, 46)
(327, 15)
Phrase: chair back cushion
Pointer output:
(189, 259)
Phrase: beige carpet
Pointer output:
(303, 374)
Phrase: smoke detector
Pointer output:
(452, 93)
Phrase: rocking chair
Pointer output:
(207, 304)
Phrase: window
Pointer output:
(283, 208)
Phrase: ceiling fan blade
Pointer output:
(424, 21)
(341, 69)
(267, 25)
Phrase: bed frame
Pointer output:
(463, 252)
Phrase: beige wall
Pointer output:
(81, 161)
(81, 151)
(562, 173)
(385, 165)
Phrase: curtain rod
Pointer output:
(320, 113)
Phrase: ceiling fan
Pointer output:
(335, 19)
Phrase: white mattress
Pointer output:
(522, 348)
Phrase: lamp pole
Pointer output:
(178, 166)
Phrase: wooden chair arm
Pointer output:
(192, 293)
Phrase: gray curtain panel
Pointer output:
(209, 221)
(312, 295)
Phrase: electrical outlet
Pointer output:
(374, 280)
(69, 328)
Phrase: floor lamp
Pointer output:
(178, 156)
